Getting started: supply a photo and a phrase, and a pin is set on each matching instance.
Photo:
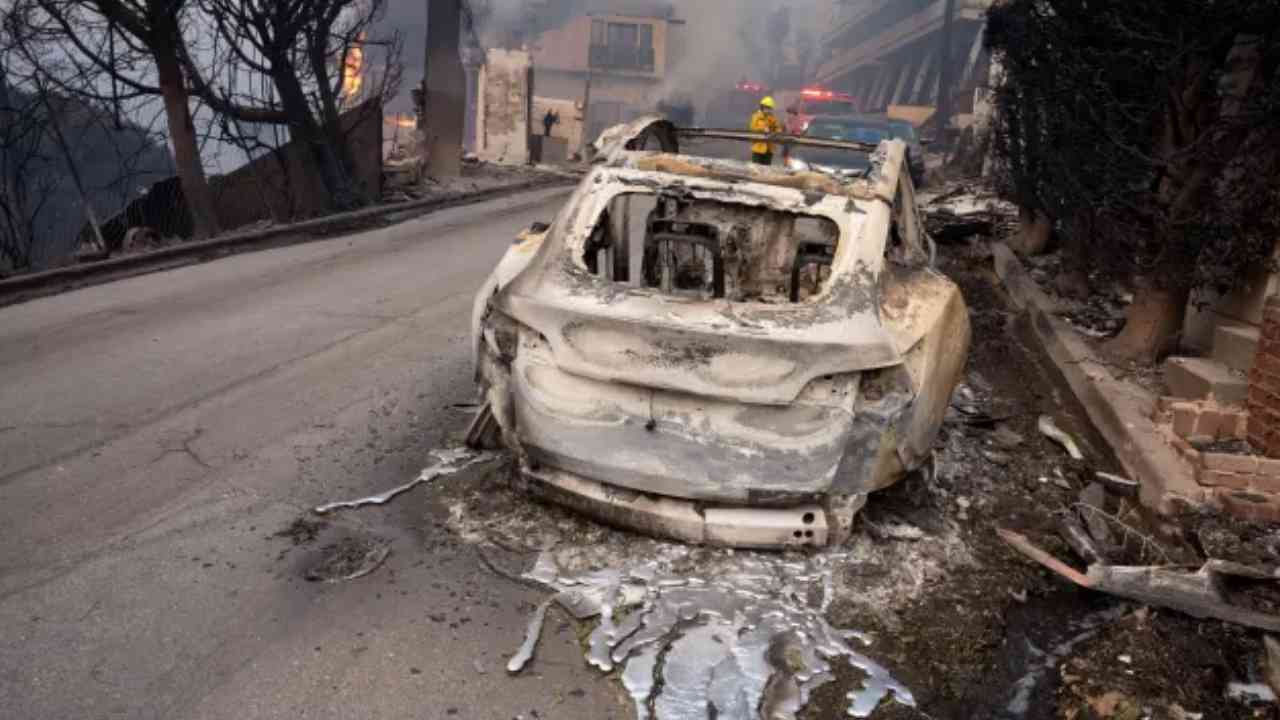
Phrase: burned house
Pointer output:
(612, 63)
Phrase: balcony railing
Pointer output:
(622, 57)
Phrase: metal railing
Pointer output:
(786, 140)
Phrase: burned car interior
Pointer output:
(711, 250)
(716, 351)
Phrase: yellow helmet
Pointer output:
(767, 102)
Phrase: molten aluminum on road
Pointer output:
(745, 637)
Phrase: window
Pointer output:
(622, 46)
(851, 132)
(623, 35)
(903, 131)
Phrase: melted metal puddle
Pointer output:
(447, 462)
(741, 641)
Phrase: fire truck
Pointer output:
(810, 102)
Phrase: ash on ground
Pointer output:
(687, 628)
(949, 613)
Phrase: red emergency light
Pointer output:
(750, 87)
(818, 93)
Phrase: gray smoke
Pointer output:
(721, 42)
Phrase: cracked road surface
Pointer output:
(158, 434)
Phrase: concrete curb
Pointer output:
(1121, 411)
(23, 288)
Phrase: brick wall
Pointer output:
(1247, 486)
(1264, 384)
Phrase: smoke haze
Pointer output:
(721, 42)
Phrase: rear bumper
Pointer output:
(804, 526)
(680, 446)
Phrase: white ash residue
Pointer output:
(743, 635)
(446, 462)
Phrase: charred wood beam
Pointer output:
(1196, 593)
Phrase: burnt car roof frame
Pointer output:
(636, 135)
(780, 139)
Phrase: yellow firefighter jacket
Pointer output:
(764, 122)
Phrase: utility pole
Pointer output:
(945, 74)
(444, 89)
(586, 110)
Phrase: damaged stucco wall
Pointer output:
(502, 121)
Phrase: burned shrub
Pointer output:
(1149, 129)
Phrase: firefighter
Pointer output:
(763, 121)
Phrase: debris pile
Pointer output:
(1094, 305)
(405, 178)
(748, 637)
(402, 179)
(974, 213)
(1200, 564)
(962, 211)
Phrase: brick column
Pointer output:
(1264, 384)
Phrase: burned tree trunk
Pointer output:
(324, 151)
(1195, 115)
(334, 151)
(1154, 320)
(186, 153)
(446, 89)
(1034, 232)
(150, 30)
(296, 51)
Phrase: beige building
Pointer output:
(889, 53)
(613, 65)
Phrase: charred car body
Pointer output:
(720, 352)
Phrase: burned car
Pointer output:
(720, 352)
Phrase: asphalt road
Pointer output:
(156, 434)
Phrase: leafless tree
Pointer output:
(303, 47)
(134, 48)
(27, 181)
